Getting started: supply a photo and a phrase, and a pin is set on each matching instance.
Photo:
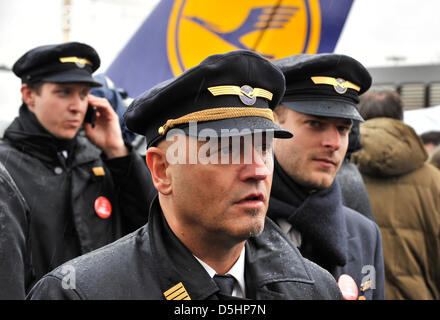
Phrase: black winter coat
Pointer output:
(47, 204)
(147, 263)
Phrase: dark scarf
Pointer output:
(318, 216)
(28, 135)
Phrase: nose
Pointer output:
(332, 138)
(256, 170)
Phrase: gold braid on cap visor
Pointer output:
(218, 114)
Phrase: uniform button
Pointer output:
(58, 170)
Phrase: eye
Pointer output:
(83, 94)
(226, 150)
(264, 147)
(313, 123)
(63, 91)
(344, 129)
(232, 152)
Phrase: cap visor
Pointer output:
(325, 108)
(72, 76)
(236, 127)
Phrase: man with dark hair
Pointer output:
(63, 193)
(318, 107)
(404, 191)
(380, 103)
(209, 133)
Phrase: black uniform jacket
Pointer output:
(152, 262)
(335, 237)
(47, 204)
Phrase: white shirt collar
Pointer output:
(291, 232)
(237, 271)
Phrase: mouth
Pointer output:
(74, 123)
(326, 162)
(255, 199)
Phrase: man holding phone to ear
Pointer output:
(63, 194)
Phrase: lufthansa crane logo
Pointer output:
(340, 86)
(198, 29)
(247, 95)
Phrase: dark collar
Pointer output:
(27, 135)
(266, 258)
(173, 262)
(272, 258)
(319, 217)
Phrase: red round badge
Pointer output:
(103, 207)
(348, 287)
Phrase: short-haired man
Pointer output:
(431, 140)
(318, 107)
(209, 134)
(381, 103)
(60, 195)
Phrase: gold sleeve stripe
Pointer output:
(236, 90)
(177, 292)
(75, 60)
(333, 82)
(217, 114)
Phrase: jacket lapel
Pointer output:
(270, 259)
(174, 264)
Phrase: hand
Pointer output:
(107, 133)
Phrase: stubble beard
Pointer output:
(258, 226)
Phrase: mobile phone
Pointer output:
(90, 116)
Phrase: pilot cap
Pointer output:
(324, 84)
(60, 63)
(231, 93)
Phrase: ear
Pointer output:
(158, 165)
(276, 118)
(28, 96)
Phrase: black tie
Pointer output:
(225, 282)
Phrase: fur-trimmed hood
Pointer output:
(390, 148)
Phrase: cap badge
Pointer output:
(247, 94)
(80, 62)
(177, 292)
(340, 85)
